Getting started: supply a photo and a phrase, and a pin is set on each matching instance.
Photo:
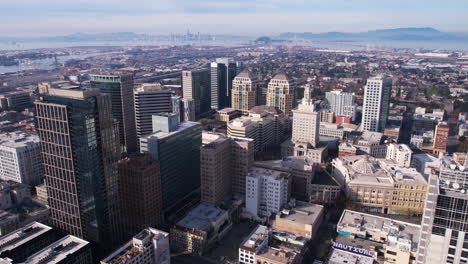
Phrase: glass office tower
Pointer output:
(80, 153)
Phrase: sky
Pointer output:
(235, 17)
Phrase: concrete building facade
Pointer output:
(20, 158)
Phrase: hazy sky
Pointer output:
(249, 17)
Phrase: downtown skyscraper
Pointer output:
(119, 86)
(244, 92)
(281, 93)
(223, 71)
(150, 99)
(79, 142)
(196, 86)
(376, 101)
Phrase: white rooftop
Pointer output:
(22, 235)
(58, 251)
(18, 140)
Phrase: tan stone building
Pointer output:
(227, 114)
(225, 163)
(244, 92)
(281, 93)
(303, 219)
(380, 185)
(215, 171)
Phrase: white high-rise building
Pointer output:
(150, 99)
(400, 154)
(266, 191)
(306, 122)
(20, 158)
(375, 107)
(150, 246)
(342, 104)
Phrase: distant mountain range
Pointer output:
(77, 37)
(397, 34)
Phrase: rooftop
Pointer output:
(277, 255)
(7, 217)
(75, 93)
(265, 109)
(397, 233)
(256, 238)
(58, 251)
(287, 163)
(151, 87)
(18, 140)
(227, 110)
(259, 172)
(22, 236)
(369, 137)
(364, 169)
(339, 256)
(245, 74)
(305, 213)
(280, 76)
(182, 126)
(202, 217)
(133, 247)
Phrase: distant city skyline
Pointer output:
(241, 17)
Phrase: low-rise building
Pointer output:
(8, 222)
(253, 245)
(303, 219)
(318, 154)
(380, 185)
(227, 114)
(346, 149)
(271, 255)
(41, 193)
(150, 246)
(398, 241)
(12, 194)
(370, 143)
(392, 133)
(340, 130)
(324, 189)
(267, 191)
(200, 229)
(424, 163)
(338, 256)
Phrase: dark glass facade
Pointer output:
(222, 75)
(80, 154)
(179, 157)
(120, 88)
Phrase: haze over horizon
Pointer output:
(241, 17)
